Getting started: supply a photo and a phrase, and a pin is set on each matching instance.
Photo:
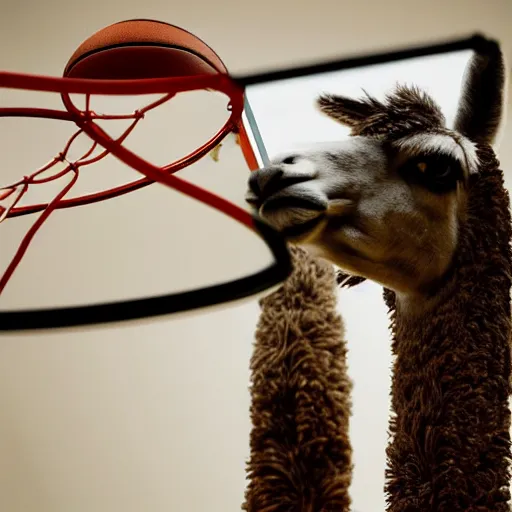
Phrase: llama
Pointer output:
(422, 210)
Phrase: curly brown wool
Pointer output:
(450, 448)
(300, 451)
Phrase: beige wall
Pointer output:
(154, 416)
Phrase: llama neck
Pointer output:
(450, 448)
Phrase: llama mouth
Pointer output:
(293, 202)
(298, 217)
(285, 199)
(291, 213)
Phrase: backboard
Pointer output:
(281, 111)
(167, 135)
(284, 118)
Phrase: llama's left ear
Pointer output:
(483, 96)
(346, 111)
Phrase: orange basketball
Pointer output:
(137, 49)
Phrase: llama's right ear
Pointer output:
(483, 97)
(344, 110)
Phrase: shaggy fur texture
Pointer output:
(451, 424)
(300, 450)
(450, 445)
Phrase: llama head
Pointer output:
(389, 202)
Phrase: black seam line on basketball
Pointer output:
(150, 21)
(477, 42)
(279, 203)
(172, 26)
(143, 43)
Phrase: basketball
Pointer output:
(139, 49)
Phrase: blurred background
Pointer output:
(154, 415)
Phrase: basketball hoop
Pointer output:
(91, 71)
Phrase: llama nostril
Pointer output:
(252, 199)
(253, 183)
(290, 160)
(261, 180)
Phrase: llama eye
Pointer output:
(435, 170)
(289, 160)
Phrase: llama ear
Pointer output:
(344, 110)
(482, 103)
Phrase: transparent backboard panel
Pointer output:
(153, 241)
(283, 115)
(156, 241)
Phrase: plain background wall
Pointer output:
(155, 416)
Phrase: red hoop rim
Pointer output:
(85, 120)
(219, 82)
